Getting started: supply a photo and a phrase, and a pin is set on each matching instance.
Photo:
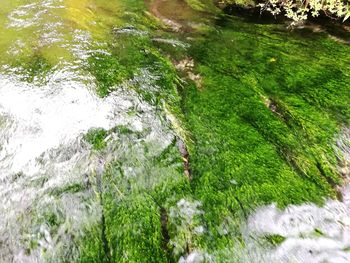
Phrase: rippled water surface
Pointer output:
(50, 173)
(48, 102)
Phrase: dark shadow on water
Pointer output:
(252, 15)
(321, 26)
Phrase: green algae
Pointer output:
(107, 71)
(91, 247)
(33, 69)
(130, 56)
(260, 130)
(275, 239)
(202, 5)
(265, 120)
(136, 192)
(96, 138)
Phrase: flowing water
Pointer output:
(51, 185)
(44, 120)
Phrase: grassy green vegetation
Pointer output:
(136, 193)
(262, 130)
(96, 138)
(34, 68)
(264, 122)
(72, 188)
(275, 239)
(131, 53)
(131, 49)
(202, 5)
(91, 247)
(137, 190)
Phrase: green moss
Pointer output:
(130, 54)
(262, 131)
(34, 68)
(133, 205)
(171, 47)
(201, 5)
(135, 231)
(96, 137)
(264, 122)
(91, 246)
(135, 192)
(121, 129)
(107, 71)
(275, 239)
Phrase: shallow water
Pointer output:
(45, 115)
(61, 190)
(312, 234)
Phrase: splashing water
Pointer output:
(42, 149)
(311, 233)
(306, 232)
(42, 128)
(40, 119)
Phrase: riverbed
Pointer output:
(169, 131)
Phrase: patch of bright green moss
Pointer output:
(262, 125)
(107, 71)
(96, 137)
(275, 239)
(91, 246)
(135, 192)
(130, 55)
(133, 211)
(264, 122)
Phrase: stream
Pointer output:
(124, 139)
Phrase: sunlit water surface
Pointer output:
(42, 125)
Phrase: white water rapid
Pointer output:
(42, 146)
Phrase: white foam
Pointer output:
(41, 130)
(43, 118)
(32, 14)
(311, 233)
